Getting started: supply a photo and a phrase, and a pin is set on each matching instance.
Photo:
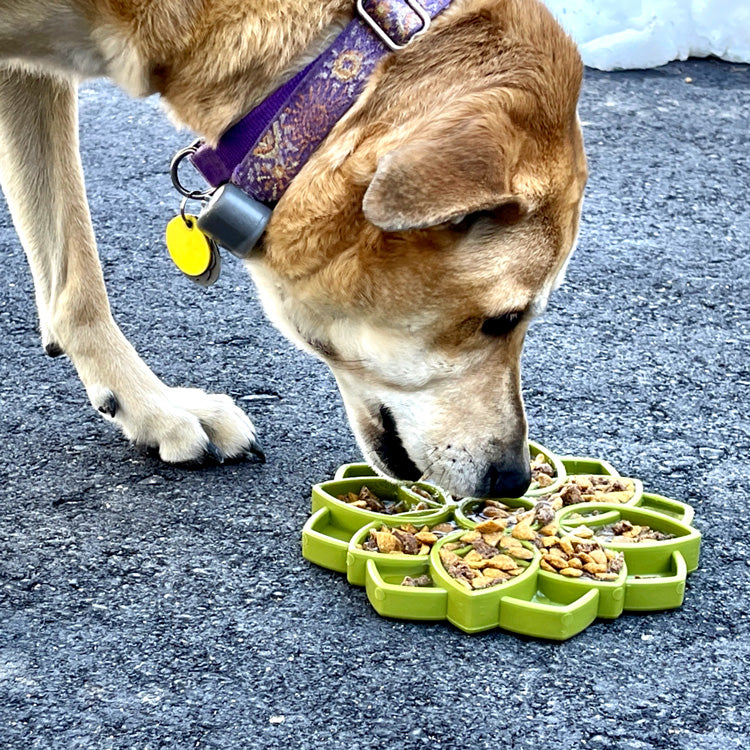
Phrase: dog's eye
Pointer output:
(502, 324)
(467, 221)
(505, 215)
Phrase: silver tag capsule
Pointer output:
(234, 220)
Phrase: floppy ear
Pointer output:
(432, 180)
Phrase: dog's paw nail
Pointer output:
(109, 405)
(54, 350)
(213, 453)
(256, 452)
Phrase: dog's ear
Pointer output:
(435, 180)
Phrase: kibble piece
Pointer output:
(426, 537)
(595, 568)
(484, 549)
(493, 538)
(571, 572)
(570, 494)
(483, 582)
(387, 542)
(501, 562)
(602, 556)
(582, 532)
(474, 560)
(442, 528)
(489, 526)
(556, 561)
(523, 531)
(543, 513)
(544, 480)
(409, 543)
(566, 545)
(622, 526)
(500, 575)
(448, 557)
(522, 554)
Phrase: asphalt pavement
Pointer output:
(144, 606)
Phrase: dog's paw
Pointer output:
(185, 425)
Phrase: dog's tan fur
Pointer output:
(449, 194)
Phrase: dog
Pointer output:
(409, 253)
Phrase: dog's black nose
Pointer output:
(506, 480)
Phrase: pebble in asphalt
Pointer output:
(143, 606)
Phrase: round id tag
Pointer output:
(195, 254)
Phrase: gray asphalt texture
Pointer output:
(144, 606)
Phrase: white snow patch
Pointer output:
(616, 34)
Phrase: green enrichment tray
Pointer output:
(535, 602)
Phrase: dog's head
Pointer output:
(413, 250)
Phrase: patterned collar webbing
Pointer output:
(264, 151)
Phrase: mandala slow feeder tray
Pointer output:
(583, 543)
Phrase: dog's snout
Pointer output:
(506, 480)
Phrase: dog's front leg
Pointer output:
(41, 175)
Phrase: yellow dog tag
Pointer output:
(195, 254)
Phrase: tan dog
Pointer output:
(409, 253)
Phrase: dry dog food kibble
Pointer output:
(485, 556)
(625, 532)
(368, 500)
(593, 489)
(542, 472)
(497, 511)
(406, 539)
(418, 582)
(579, 555)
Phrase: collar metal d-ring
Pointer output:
(174, 174)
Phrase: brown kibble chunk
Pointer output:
(489, 526)
(571, 572)
(493, 539)
(523, 531)
(566, 545)
(543, 513)
(387, 542)
(442, 528)
(570, 494)
(544, 480)
(582, 532)
(496, 574)
(556, 561)
(595, 568)
(501, 562)
(426, 537)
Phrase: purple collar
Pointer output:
(263, 152)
